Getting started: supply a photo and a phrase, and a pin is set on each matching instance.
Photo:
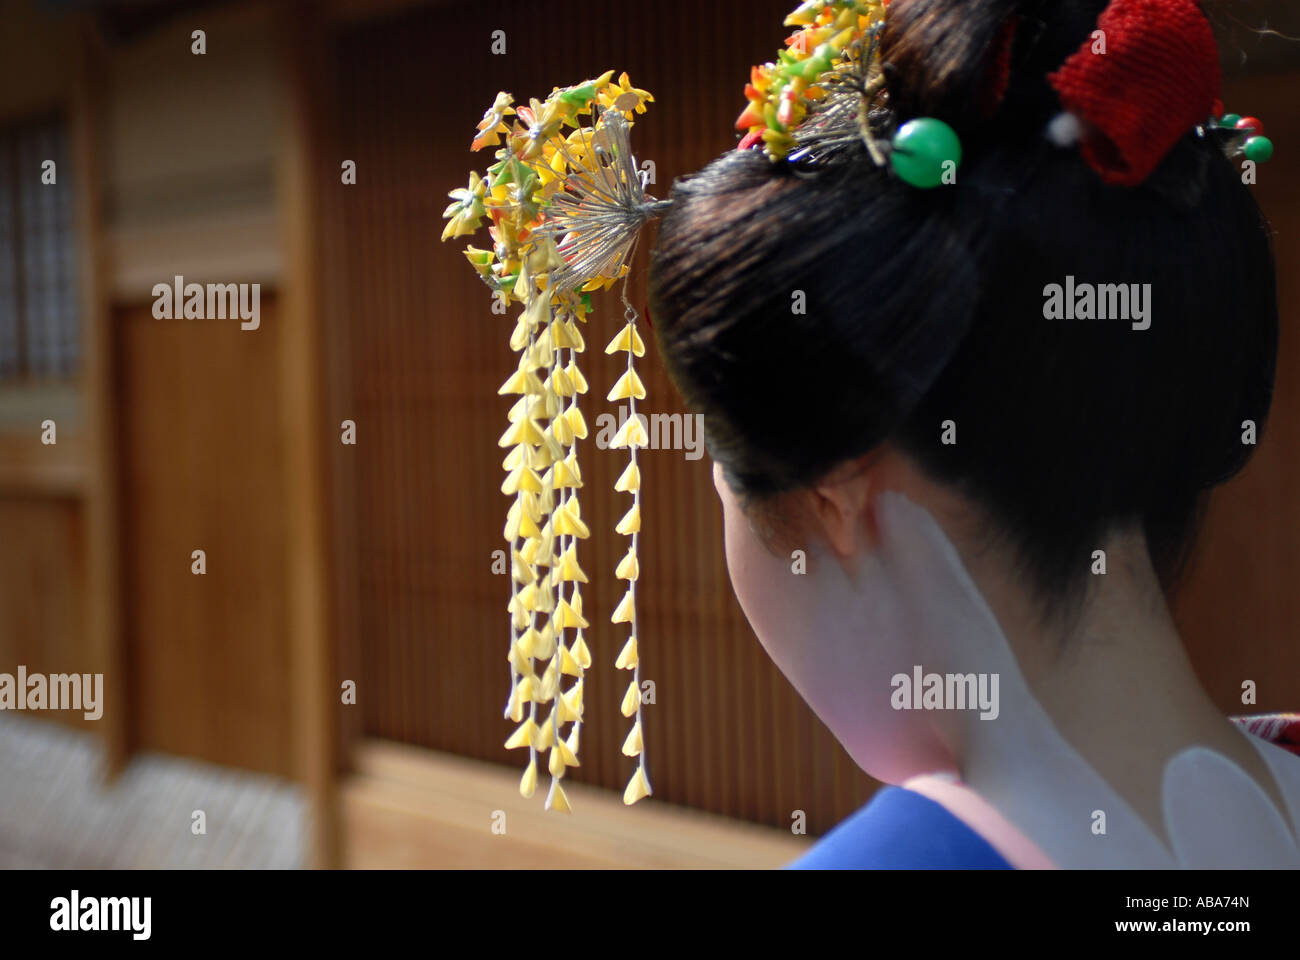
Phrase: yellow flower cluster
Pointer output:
(545, 151)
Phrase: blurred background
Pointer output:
(370, 564)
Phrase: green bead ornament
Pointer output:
(922, 149)
(1229, 120)
(1259, 149)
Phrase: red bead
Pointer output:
(1250, 123)
(1217, 108)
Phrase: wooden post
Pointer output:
(102, 543)
(302, 42)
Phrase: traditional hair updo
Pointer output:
(928, 305)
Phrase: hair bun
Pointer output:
(937, 56)
(969, 61)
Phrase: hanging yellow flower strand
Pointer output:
(565, 214)
(632, 436)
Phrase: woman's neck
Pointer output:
(1114, 678)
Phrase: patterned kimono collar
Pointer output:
(1282, 729)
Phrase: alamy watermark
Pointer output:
(75, 913)
(1105, 301)
(57, 691)
(666, 431)
(212, 301)
(946, 691)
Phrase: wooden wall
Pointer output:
(202, 468)
(191, 188)
(43, 489)
(1239, 610)
(190, 165)
(42, 581)
(168, 178)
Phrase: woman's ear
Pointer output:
(841, 503)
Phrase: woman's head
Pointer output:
(815, 316)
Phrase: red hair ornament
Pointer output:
(1146, 77)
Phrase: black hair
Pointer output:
(925, 306)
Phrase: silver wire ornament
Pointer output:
(841, 119)
(596, 218)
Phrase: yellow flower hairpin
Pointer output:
(566, 203)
